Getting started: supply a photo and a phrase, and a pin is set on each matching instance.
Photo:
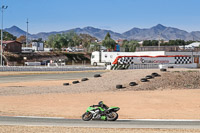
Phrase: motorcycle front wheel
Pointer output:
(87, 116)
(112, 116)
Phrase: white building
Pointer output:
(191, 46)
(38, 46)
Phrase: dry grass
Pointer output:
(33, 129)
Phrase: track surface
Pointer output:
(38, 77)
(36, 121)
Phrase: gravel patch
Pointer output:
(172, 80)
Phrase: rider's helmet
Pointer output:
(100, 103)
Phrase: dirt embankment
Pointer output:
(18, 59)
(172, 80)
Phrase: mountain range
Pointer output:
(157, 32)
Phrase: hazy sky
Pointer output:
(116, 15)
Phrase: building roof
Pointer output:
(6, 42)
(192, 45)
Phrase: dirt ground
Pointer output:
(32, 129)
(160, 98)
(166, 104)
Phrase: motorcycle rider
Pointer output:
(100, 112)
(102, 105)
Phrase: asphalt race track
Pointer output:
(38, 77)
(39, 121)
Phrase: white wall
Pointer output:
(193, 65)
(183, 53)
(38, 46)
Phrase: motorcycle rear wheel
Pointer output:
(87, 116)
(112, 116)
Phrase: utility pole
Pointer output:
(27, 34)
(159, 41)
(2, 8)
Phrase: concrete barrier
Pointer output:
(44, 68)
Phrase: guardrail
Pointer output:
(52, 68)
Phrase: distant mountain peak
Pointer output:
(16, 31)
(153, 33)
(14, 26)
(160, 27)
(88, 27)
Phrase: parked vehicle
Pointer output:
(154, 57)
(101, 112)
(69, 50)
(32, 63)
(45, 62)
(27, 50)
(105, 58)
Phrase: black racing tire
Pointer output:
(155, 74)
(163, 70)
(75, 82)
(84, 79)
(144, 80)
(170, 66)
(66, 84)
(94, 64)
(113, 116)
(87, 116)
(119, 86)
(97, 75)
(132, 84)
(149, 77)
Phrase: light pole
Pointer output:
(2, 8)
(27, 34)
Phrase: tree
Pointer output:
(22, 39)
(58, 41)
(77, 40)
(7, 36)
(107, 36)
(174, 43)
(39, 39)
(130, 46)
(69, 39)
(86, 40)
(147, 43)
(108, 42)
(94, 47)
(50, 41)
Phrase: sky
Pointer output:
(116, 15)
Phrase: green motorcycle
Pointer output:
(101, 112)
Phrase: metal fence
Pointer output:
(167, 49)
(52, 68)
